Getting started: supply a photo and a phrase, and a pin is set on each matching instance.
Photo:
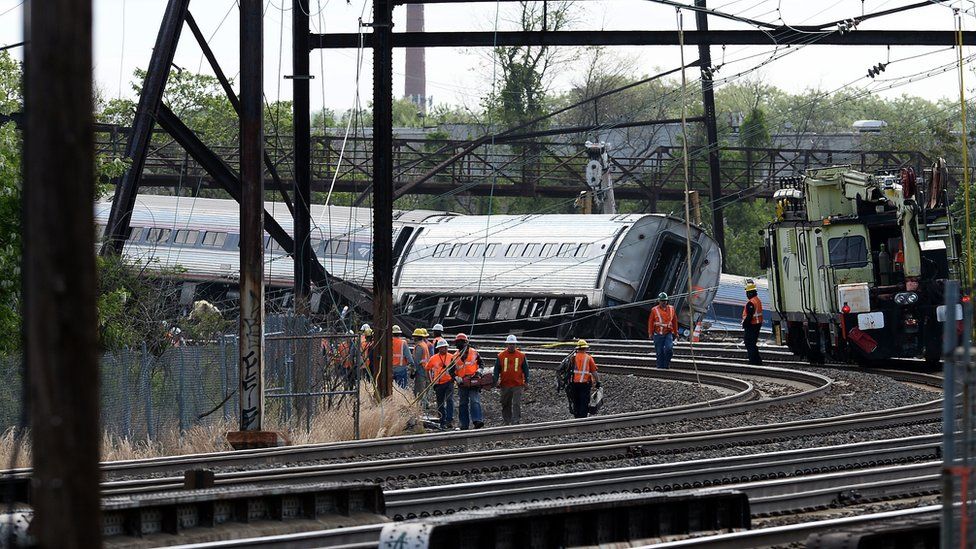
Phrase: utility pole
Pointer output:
(383, 191)
(711, 129)
(303, 151)
(302, 257)
(60, 337)
(251, 341)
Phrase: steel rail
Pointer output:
(821, 491)
(793, 533)
(352, 449)
(726, 472)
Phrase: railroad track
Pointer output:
(743, 399)
(776, 482)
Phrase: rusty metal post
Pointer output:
(711, 129)
(251, 345)
(383, 191)
(303, 152)
(302, 187)
(60, 337)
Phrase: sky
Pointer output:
(125, 31)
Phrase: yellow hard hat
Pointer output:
(581, 344)
(750, 286)
(420, 332)
(368, 331)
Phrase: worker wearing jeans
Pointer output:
(662, 327)
(468, 362)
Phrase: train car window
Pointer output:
(514, 250)
(565, 250)
(490, 252)
(476, 250)
(338, 247)
(275, 248)
(184, 236)
(583, 250)
(317, 245)
(548, 250)
(848, 252)
(136, 234)
(157, 236)
(530, 250)
(439, 250)
(267, 241)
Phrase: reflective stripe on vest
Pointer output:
(662, 326)
(757, 315)
(399, 348)
(583, 373)
(425, 347)
(512, 368)
(468, 365)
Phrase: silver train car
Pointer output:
(725, 312)
(593, 275)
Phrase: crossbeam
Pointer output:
(781, 37)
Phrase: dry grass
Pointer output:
(393, 416)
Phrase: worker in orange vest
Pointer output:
(662, 327)
(752, 320)
(440, 370)
(582, 378)
(511, 374)
(422, 349)
(366, 349)
(402, 358)
(469, 397)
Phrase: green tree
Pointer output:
(11, 101)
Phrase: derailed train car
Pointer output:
(857, 264)
(564, 274)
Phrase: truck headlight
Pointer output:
(906, 298)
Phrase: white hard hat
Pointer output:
(396, 329)
(440, 344)
(438, 327)
(364, 327)
(511, 339)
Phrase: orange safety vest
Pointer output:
(511, 363)
(341, 357)
(468, 364)
(757, 316)
(662, 321)
(400, 348)
(427, 348)
(364, 348)
(437, 368)
(584, 366)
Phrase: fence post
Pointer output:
(126, 393)
(147, 388)
(358, 365)
(224, 373)
(180, 402)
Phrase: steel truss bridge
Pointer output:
(514, 169)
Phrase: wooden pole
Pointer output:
(383, 192)
(60, 338)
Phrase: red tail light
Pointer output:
(845, 309)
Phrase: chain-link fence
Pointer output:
(311, 384)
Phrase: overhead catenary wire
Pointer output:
(687, 180)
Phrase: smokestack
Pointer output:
(415, 83)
